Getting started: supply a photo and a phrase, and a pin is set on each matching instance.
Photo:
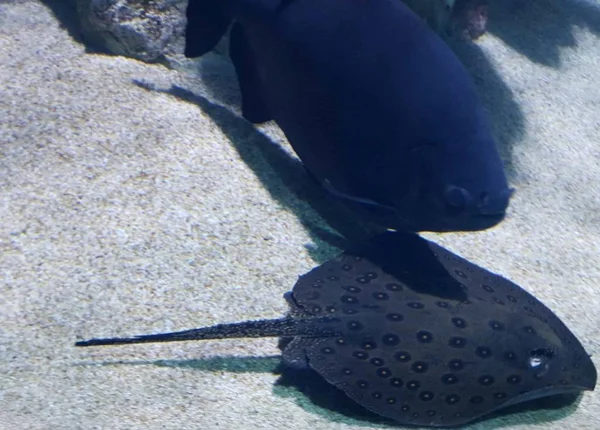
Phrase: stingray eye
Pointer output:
(539, 360)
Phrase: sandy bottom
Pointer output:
(125, 210)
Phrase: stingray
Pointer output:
(415, 333)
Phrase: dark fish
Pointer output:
(417, 334)
(376, 105)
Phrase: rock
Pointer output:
(149, 30)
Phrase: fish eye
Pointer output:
(457, 197)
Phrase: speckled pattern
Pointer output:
(126, 211)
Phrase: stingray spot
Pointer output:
(511, 298)
(456, 364)
(459, 322)
(405, 408)
(528, 329)
(319, 281)
(415, 305)
(357, 258)
(376, 395)
(487, 288)
(452, 399)
(457, 342)
(393, 287)
(380, 296)
(315, 285)
(333, 278)
(340, 341)
(391, 400)
(390, 339)
(349, 311)
(442, 304)
(347, 267)
(371, 275)
(449, 379)
(461, 274)
(528, 309)
(354, 325)
(513, 379)
(483, 352)
(496, 325)
(352, 289)
(402, 356)
(349, 300)
(396, 382)
(476, 400)
(486, 380)
(330, 309)
(395, 317)
(563, 382)
(328, 350)
(384, 372)
(509, 355)
(430, 413)
(377, 361)
(413, 385)
(369, 345)
(426, 396)
(458, 414)
(466, 302)
(362, 384)
(415, 415)
(347, 371)
(361, 355)
(498, 301)
(424, 337)
(363, 280)
(420, 367)
(500, 396)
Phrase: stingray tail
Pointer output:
(283, 327)
(207, 22)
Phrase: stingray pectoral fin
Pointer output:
(207, 22)
(254, 107)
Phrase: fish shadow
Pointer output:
(540, 29)
(284, 177)
(315, 395)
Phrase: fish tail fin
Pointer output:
(207, 22)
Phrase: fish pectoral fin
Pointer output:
(207, 22)
(254, 107)
(355, 199)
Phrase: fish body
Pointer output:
(375, 104)
(417, 334)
